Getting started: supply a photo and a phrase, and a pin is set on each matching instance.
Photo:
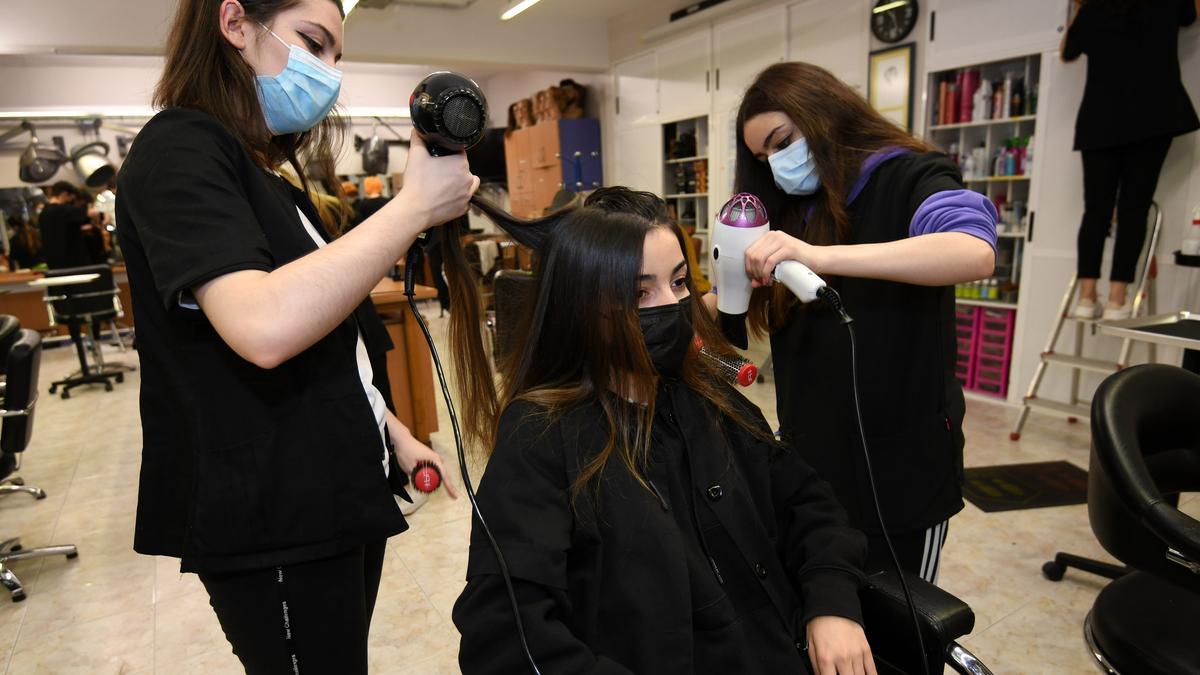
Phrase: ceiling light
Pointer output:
(517, 9)
(883, 8)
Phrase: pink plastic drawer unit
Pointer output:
(966, 320)
(993, 351)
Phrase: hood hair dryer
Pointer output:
(740, 223)
(449, 111)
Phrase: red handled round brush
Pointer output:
(426, 477)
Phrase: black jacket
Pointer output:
(912, 404)
(1134, 88)
(242, 467)
(609, 588)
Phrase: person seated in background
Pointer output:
(650, 521)
(62, 224)
(372, 200)
(24, 244)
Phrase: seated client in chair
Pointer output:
(650, 521)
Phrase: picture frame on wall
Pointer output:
(890, 83)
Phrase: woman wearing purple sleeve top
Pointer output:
(890, 225)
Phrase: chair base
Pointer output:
(69, 383)
(15, 483)
(11, 550)
(1055, 569)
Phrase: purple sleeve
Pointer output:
(963, 211)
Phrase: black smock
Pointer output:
(242, 468)
(912, 405)
(717, 569)
(1134, 88)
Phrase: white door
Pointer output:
(1056, 205)
(636, 99)
(684, 77)
(638, 161)
(722, 144)
(833, 34)
(742, 48)
(965, 32)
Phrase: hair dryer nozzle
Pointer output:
(744, 210)
(449, 111)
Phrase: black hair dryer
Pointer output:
(449, 111)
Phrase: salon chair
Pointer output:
(1145, 451)
(92, 304)
(513, 299)
(23, 364)
(9, 327)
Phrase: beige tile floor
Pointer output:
(113, 611)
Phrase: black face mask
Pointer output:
(668, 334)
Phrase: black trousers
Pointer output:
(307, 618)
(1125, 176)
(920, 553)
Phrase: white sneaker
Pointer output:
(1087, 309)
(1116, 312)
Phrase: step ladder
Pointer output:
(1143, 302)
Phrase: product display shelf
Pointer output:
(685, 153)
(983, 123)
(981, 302)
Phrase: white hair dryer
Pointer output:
(740, 223)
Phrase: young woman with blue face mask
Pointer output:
(270, 453)
(890, 225)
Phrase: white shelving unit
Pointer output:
(982, 148)
(686, 179)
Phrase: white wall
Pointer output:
(123, 85)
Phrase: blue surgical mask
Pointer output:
(298, 98)
(795, 170)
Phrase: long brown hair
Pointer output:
(582, 338)
(204, 72)
(841, 129)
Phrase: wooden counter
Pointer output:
(26, 302)
(410, 366)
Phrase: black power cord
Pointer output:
(831, 296)
(409, 285)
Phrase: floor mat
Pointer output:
(1011, 487)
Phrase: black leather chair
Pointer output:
(23, 364)
(92, 304)
(943, 619)
(513, 298)
(1145, 451)
(9, 326)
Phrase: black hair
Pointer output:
(620, 199)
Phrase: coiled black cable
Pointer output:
(410, 265)
(831, 296)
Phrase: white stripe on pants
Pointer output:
(935, 538)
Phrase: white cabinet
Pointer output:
(635, 82)
(742, 48)
(972, 31)
(832, 34)
(684, 78)
(637, 163)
